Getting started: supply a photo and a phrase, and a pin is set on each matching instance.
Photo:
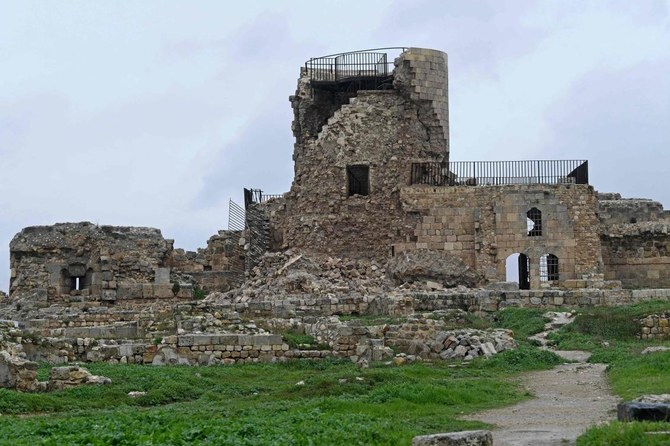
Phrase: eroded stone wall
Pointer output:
(638, 254)
(635, 237)
(382, 130)
(75, 262)
(615, 210)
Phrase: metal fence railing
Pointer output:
(257, 196)
(494, 173)
(236, 217)
(374, 63)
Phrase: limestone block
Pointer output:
(464, 438)
(108, 295)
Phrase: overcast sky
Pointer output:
(156, 113)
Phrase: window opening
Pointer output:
(78, 283)
(534, 222)
(548, 268)
(358, 178)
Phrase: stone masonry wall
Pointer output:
(76, 262)
(638, 254)
(635, 234)
(655, 326)
(483, 225)
(614, 210)
(384, 130)
(422, 75)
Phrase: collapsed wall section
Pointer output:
(614, 210)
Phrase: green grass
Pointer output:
(523, 322)
(626, 434)
(261, 403)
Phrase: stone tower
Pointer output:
(360, 121)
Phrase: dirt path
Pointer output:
(568, 399)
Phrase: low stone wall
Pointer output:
(656, 326)
(189, 349)
(493, 300)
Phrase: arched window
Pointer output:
(548, 268)
(534, 222)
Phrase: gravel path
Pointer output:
(568, 399)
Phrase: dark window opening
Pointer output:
(548, 268)
(534, 222)
(358, 179)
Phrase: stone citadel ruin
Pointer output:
(378, 221)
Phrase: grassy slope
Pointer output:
(261, 404)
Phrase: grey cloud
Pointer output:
(619, 120)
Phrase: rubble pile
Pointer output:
(438, 267)
(289, 273)
(465, 344)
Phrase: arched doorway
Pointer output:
(517, 269)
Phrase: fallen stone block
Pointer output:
(72, 376)
(464, 438)
(640, 411)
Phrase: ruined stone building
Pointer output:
(373, 179)
(379, 221)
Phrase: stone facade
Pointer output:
(74, 262)
(484, 225)
(353, 237)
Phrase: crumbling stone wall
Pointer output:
(638, 254)
(614, 210)
(635, 237)
(87, 260)
(74, 262)
(483, 225)
(382, 130)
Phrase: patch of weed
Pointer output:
(523, 322)
(626, 434)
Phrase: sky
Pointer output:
(157, 113)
